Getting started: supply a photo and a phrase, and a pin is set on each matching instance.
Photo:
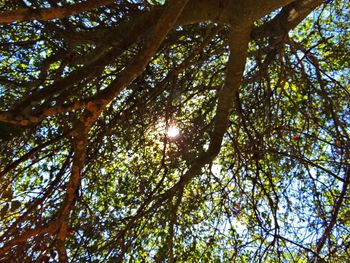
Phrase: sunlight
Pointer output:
(173, 131)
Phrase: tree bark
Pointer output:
(27, 14)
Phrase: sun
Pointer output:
(173, 131)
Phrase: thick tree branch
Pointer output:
(164, 24)
(26, 14)
(23, 115)
(238, 41)
(159, 32)
(154, 39)
(80, 143)
(86, 79)
(289, 17)
(26, 235)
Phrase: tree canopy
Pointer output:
(174, 131)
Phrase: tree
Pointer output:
(259, 93)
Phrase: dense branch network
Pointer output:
(99, 82)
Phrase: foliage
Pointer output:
(278, 191)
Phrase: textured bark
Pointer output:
(290, 16)
(238, 42)
(238, 15)
(26, 14)
(163, 26)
